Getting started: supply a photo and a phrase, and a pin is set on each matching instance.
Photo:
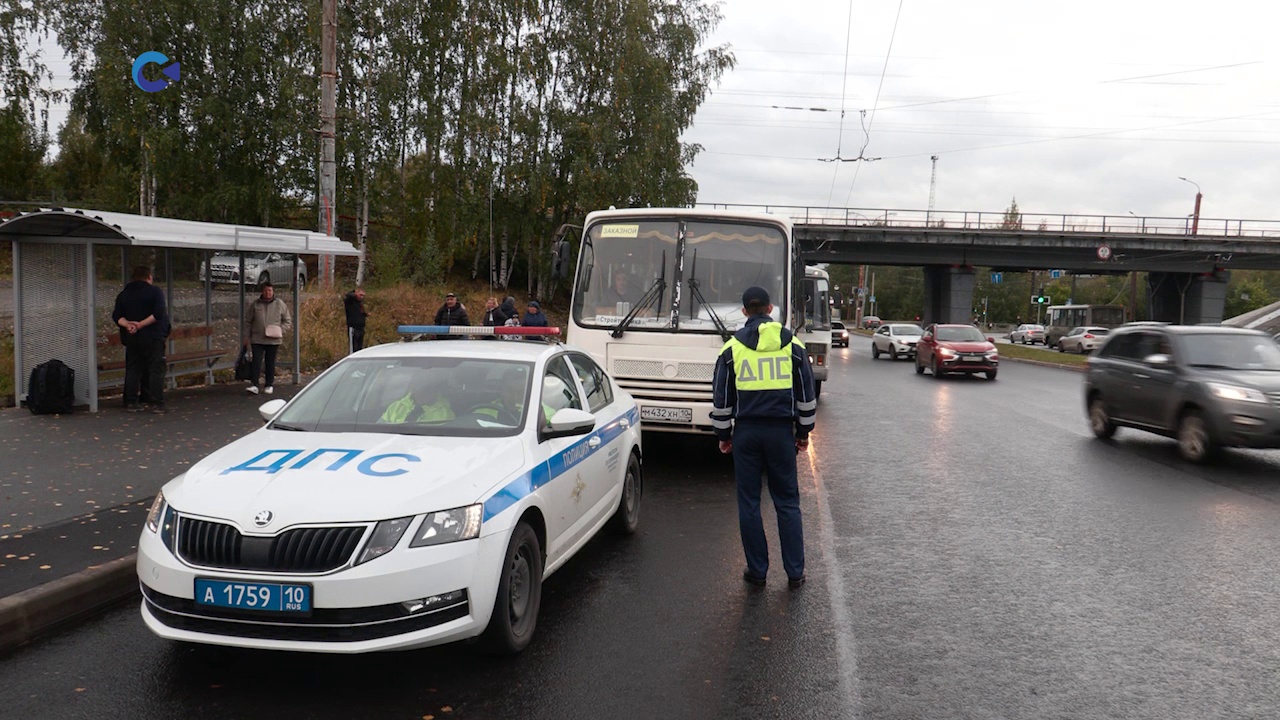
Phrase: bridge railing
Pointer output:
(1053, 223)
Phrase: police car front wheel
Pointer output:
(627, 518)
(515, 611)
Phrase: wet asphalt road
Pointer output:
(972, 553)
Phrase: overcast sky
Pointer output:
(1080, 107)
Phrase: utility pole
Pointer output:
(1195, 218)
(328, 128)
(933, 187)
(1133, 296)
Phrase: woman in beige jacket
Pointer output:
(266, 321)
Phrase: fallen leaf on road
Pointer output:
(45, 567)
(79, 689)
(764, 638)
(428, 717)
(446, 709)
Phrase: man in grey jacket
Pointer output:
(266, 322)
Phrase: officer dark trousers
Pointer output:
(767, 446)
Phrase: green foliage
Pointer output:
(454, 118)
(1246, 291)
(1012, 217)
(22, 158)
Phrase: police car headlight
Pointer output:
(156, 512)
(384, 538)
(449, 526)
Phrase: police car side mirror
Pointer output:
(270, 409)
(569, 422)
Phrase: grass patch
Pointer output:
(1019, 352)
(324, 323)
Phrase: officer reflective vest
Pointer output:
(398, 412)
(763, 372)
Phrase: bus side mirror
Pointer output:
(560, 259)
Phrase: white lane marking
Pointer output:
(846, 644)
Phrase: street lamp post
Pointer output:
(1195, 222)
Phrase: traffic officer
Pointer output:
(764, 406)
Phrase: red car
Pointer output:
(956, 349)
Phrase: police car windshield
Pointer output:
(414, 396)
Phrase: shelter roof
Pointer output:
(111, 228)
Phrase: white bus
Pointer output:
(658, 292)
(815, 329)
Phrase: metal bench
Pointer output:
(209, 357)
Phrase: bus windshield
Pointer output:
(817, 303)
(642, 264)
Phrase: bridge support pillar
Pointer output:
(948, 295)
(1187, 298)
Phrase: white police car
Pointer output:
(413, 494)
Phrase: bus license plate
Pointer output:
(666, 414)
(271, 597)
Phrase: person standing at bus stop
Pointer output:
(266, 322)
(144, 323)
(353, 304)
(764, 407)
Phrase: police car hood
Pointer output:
(349, 477)
(751, 336)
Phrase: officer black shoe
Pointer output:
(795, 582)
(134, 408)
(752, 579)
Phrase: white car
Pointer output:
(258, 266)
(1083, 339)
(405, 498)
(895, 340)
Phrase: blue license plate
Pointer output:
(245, 595)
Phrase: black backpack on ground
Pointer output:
(52, 388)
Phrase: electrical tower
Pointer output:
(933, 187)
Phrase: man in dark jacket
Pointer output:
(508, 308)
(533, 316)
(452, 312)
(144, 324)
(763, 410)
(353, 302)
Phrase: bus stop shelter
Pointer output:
(69, 264)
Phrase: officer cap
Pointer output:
(755, 295)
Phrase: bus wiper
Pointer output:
(650, 296)
(711, 310)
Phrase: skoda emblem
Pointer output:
(263, 518)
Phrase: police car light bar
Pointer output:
(474, 330)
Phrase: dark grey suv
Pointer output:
(1206, 386)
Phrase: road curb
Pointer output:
(1042, 363)
(29, 614)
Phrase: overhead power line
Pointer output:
(867, 130)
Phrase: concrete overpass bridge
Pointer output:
(1187, 278)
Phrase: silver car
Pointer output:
(897, 340)
(258, 267)
(1028, 335)
(1083, 339)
